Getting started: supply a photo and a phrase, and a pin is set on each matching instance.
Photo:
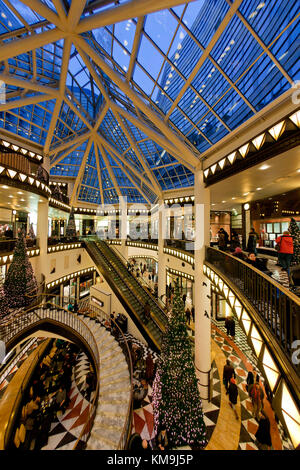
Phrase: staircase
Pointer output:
(130, 293)
(114, 401)
(114, 398)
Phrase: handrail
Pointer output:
(17, 399)
(137, 316)
(277, 284)
(128, 421)
(146, 292)
(277, 308)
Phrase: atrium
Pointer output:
(149, 225)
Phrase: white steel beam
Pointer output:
(81, 138)
(59, 100)
(20, 46)
(59, 159)
(109, 169)
(113, 155)
(135, 47)
(111, 150)
(80, 172)
(224, 23)
(10, 79)
(44, 11)
(101, 116)
(185, 152)
(99, 172)
(24, 102)
(115, 14)
(152, 134)
(157, 188)
(75, 12)
(61, 10)
(265, 48)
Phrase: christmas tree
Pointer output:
(4, 308)
(176, 400)
(31, 233)
(295, 232)
(20, 279)
(71, 228)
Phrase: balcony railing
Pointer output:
(7, 245)
(278, 308)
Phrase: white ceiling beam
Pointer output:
(59, 159)
(11, 79)
(265, 48)
(135, 47)
(109, 168)
(111, 150)
(223, 25)
(184, 150)
(79, 139)
(75, 12)
(62, 86)
(115, 14)
(79, 177)
(24, 102)
(44, 11)
(99, 172)
(23, 45)
(115, 155)
(61, 10)
(131, 140)
(101, 116)
(152, 134)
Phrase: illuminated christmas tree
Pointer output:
(176, 400)
(20, 280)
(71, 228)
(4, 308)
(295, 232)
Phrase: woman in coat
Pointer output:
(233, 396)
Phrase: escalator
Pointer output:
(130, 293)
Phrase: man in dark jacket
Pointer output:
(233, 396)
(228, 373)
(263, 434)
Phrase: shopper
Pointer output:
(184, 299)
(188, 316)
(235, 240)
(263, 434)
(147, 310)
(285, 250)
(233, 396)
(193, 313)
(252, 241)
(238, 253)
(249, 380)
(228, 373)
(162, 439)
(222, 239)
(256, 394)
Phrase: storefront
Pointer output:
(185, 283)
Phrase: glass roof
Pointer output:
(150, 93)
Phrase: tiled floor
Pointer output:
(66, 429)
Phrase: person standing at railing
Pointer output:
(285, 250)
(252, 241)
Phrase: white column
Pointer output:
(161, 254)
(42, 266)
(202, 287)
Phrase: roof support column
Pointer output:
(202, 287)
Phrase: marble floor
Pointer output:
(66, 429)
